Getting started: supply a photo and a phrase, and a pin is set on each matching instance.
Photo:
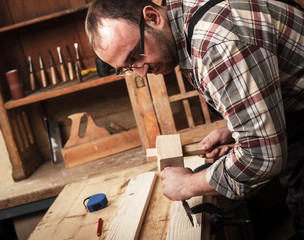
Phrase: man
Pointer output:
(246, 59)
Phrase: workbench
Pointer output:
(67, 218)
(48, 181)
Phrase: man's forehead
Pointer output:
(116, 37)
(112, 30)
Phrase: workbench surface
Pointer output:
(68, 219)
(48, 180)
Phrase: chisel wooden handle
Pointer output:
(188, 150)
(71, 72)
(196, 149)
(63, 74)
(54, 76)
(43, 78)
(32, 81)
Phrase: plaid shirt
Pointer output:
(248, 63)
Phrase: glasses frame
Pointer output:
(121, 71)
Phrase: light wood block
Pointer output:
(133, 205)
(169, 151)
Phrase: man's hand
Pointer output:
(181, 184)
(211, 142)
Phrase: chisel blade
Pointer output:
(188, 211)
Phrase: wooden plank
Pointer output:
(180, 227)
(143, 110)
(169, 151)
(22, 11)
(161, 103)
(205, 110)
(18, 171)
(185, 102)
(43, 18)
(182, 96)
(133, 205)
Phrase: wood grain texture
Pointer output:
(132, 208)
(161, 104)
(102, 147)
(67, 217)
(92, 131)
(143, 110)
(169, 151)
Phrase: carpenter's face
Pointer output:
(119, 46)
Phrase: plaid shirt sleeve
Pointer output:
(239, 72)
(242, 83)
(247, 61)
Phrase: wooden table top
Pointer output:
(48, 180)
(68, 219)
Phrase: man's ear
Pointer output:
(153, 17)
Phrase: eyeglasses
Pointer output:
(124, 71)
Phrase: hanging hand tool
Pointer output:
(53, 72)
(70, 66)
(63, 73)
(32, 77)
(77, 55)
(42, 71)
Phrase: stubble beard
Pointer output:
(166, 49)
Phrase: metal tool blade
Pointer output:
(59, 55)
(68, 53)
(30, 64)
(76, 49)
(51, 59)
(188, 211)
(40, 61)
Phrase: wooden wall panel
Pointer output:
(5, 18)
(24, 10)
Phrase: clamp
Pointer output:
(216, 215)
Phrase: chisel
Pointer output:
(77, 55)
(70, 66)
(32, 77)
(63, 74)
(53, 72)
(42, 72)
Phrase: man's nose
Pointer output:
(142, 71)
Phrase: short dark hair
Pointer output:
(129, 10)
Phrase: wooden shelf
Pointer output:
(61, 89)
(43, 18)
